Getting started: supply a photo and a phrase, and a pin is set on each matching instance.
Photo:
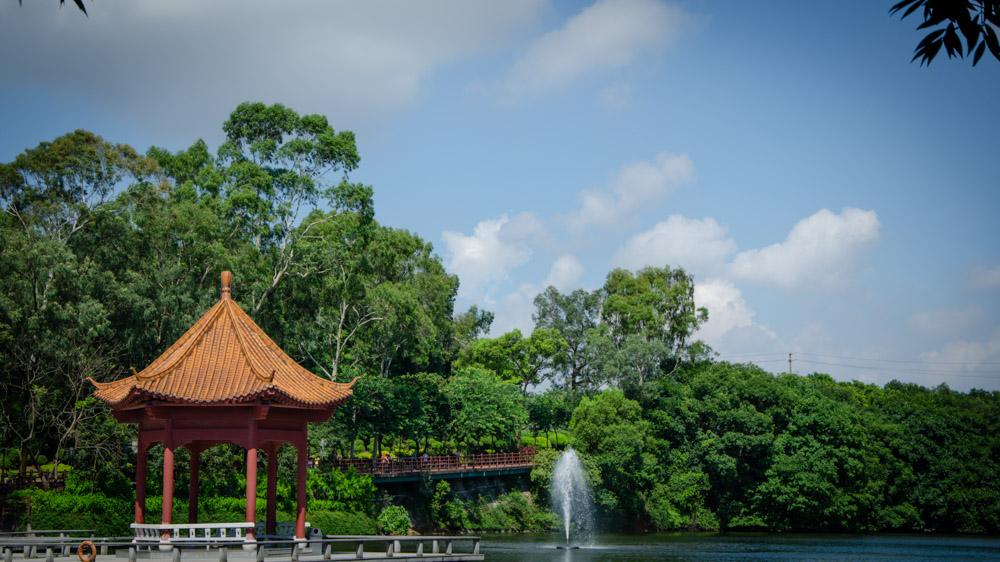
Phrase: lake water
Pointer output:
(742, 546)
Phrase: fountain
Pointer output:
(570, 496)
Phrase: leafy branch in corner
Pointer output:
(977, 21)
(79, 4)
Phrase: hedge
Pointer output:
(111, 517)
(342, 523)
(51, 509)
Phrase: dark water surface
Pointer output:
(749, 546)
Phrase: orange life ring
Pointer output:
(87, 557)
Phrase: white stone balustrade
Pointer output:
(191, 532)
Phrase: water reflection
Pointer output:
(643, 548)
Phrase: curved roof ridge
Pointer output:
(267, 346)
(185, 345)
(260, 371)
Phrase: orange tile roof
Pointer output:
(224, 358)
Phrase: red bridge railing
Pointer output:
(525, 458)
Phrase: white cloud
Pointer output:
(564, 273)
(181, 63)
(700, 246)
(516, 308)
(986, 277)
(731, 330)
(606, 35)
(961, 363)
(945, 321)
(726, 309)
(515, 311)
(964, 355)
(821, 249)
(495, 247)
(615, 96)
(636, 186)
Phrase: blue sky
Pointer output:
(832, 199)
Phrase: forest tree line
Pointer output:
(109, 254)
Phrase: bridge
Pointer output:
(442, 466)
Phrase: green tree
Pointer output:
(276, 165)
(378, 300)
(550, 410)
(573, 316)
(469, 326)
(608, 429)
(322, 314)
(423, 406)
(516, 358)
(414, 299)
(484, 407)
(637, 361)
(55, 322)
(654, 304)
(371, 412)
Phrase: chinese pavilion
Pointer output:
(223, 381)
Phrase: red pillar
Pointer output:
(193, 483)
(300, 512)
(168, 485)
(272, 487)
(252, 479)
(140, 480)
(251, 489)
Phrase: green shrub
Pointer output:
(663, 514)
(52, 509)
(394, 520)
(514, 511)
(341, 491)
(9, 458)
(456, 512)
(211, 509)
(342, 523)
(216, 509)
(448, 512)
(439, 502)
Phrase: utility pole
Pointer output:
(789, 362)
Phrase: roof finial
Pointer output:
(227, 279)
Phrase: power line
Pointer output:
(910, 361)
(755, 354)
(972, 374)
(882, 369)
(948, 366)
